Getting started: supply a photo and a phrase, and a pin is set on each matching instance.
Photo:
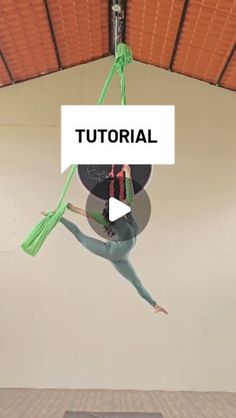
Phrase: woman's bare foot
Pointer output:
(158, 309)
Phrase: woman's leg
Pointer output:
(95, 246)
(125, 268)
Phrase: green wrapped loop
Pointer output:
(39, 233)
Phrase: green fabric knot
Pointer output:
(123, 57)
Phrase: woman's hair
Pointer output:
(108, 227)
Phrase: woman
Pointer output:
(117, 251)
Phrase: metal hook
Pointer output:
(117, 23)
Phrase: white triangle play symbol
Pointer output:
(117, 209)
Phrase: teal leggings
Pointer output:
(114, 251)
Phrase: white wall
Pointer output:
(66, 318)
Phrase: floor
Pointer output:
(52, 403)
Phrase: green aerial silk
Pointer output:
(37, 236)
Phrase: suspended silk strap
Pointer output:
(123, 57)
(39, 233)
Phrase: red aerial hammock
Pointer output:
(37, 236)
(120, 176)
(121, 180)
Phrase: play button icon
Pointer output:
(117, 209)
(139, 212)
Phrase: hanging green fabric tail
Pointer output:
(37, 236)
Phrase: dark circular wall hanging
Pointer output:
(92, 176)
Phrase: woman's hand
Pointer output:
(127, 170)
(72, 207)
(45, 213)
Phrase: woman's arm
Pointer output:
(72, 208)
(96, 216)
(80, 211)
